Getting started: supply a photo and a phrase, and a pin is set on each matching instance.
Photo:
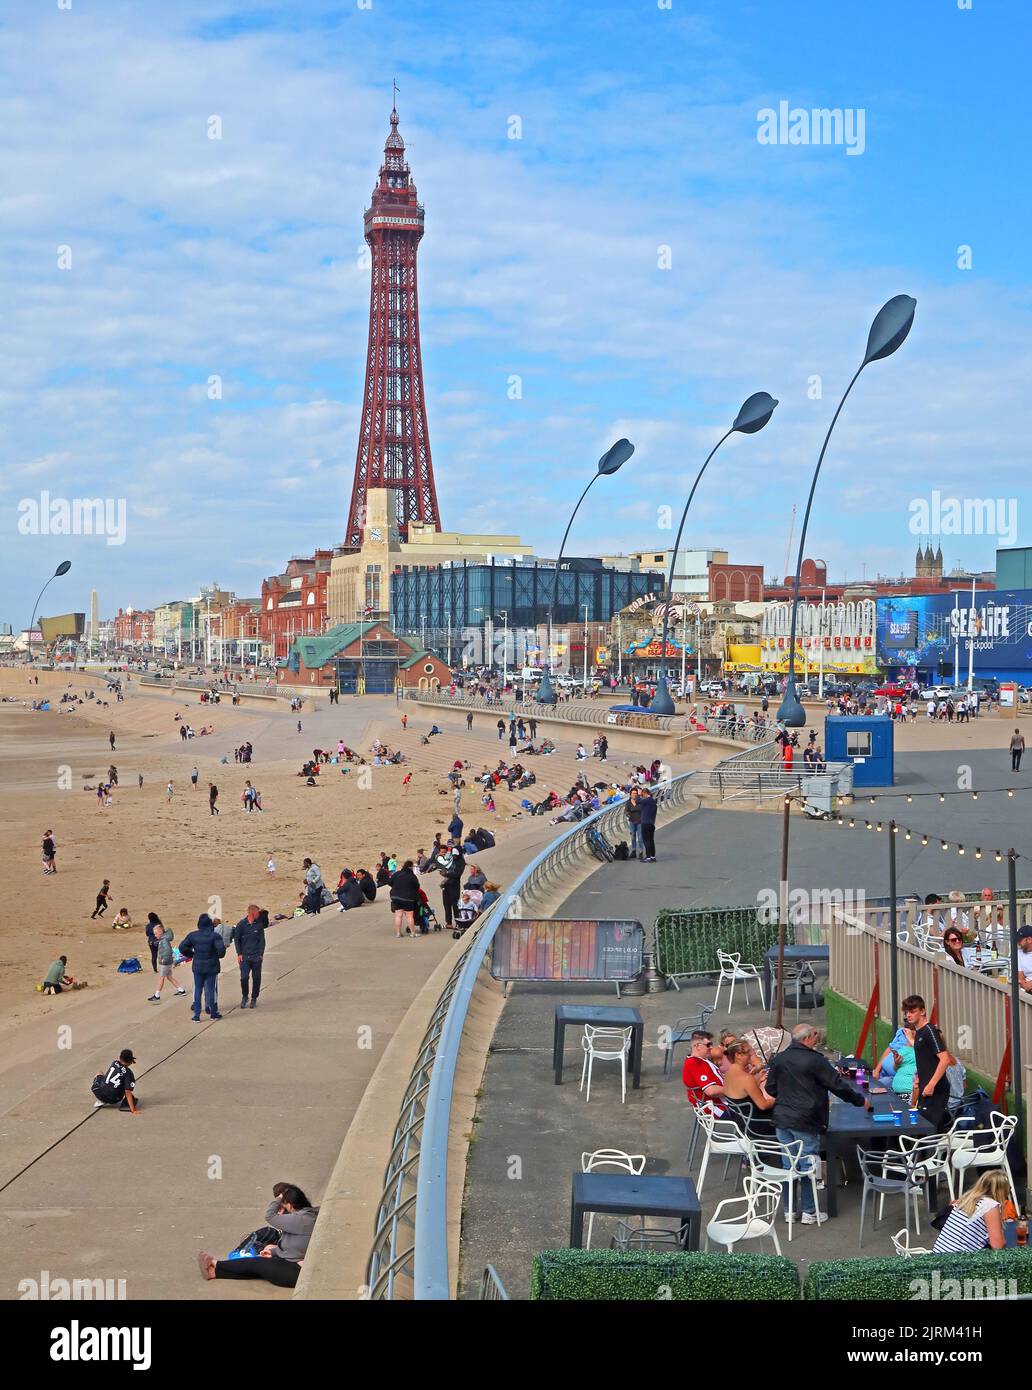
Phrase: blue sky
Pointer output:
(240, 257)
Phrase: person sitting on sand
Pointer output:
(122, 921)
(57, 978)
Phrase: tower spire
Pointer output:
(393, 441)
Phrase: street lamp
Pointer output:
(753, 415)
(62, 568)
(505, 645)
(891, 325)
(613, 459)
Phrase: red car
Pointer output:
(890, 691)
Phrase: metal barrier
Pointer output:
(492, 1290)
(769, 778)
(573, 712)
(409, 1254)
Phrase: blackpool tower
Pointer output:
(393, 442)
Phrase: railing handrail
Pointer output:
(421, 1139)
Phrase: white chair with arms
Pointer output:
(966, 1153)
(731, 972)
(611, 1161)
(605, 1045)
(750, 1217)
(782, 1164)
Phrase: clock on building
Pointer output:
(376, 534)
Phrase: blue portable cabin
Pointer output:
(865, 740)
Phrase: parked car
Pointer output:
(892, 691)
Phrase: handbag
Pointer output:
(255, 1243)
(940, 1218)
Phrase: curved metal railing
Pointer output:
(409, 1254)
(573, 711)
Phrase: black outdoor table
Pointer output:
(599, 1016)
(792, 953)
(623, 1194)
(849, 1125)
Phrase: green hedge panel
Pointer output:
(687, 939)
(600, 1276)
(981, 1274)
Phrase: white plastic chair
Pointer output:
(765, 1159)
(928, 1157)
(605, 1045)
(731, 971)
(903, 1248)
(613, 1161)
(965, 1155)
(723, 1136)
(750, 1217)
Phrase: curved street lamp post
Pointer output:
(753, 415)
(613, 459)
(891, 325)
(62, 568)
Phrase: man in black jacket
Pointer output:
(800, 1079)
(248, 938)
(452, 870)
(205, 948)
(350, 892)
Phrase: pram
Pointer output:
(464, 919)
(425, 916)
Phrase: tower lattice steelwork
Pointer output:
(393, 442)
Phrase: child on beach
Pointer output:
(168, 791)
(270, 867)
(102, 899)
(122, 920)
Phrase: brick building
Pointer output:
(361, 658)
(294, 602)
(735, 583)
(133, 627)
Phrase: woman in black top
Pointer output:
(404, 895)
(383, 874)
(367, 884)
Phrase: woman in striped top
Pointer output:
(977, 1218)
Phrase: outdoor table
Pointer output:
(792, 953)
(623, 1194)
(849, 1125)
(599, 1016)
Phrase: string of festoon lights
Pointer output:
(878, 827)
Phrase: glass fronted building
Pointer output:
(440, 603)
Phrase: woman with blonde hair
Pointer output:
(976, 1220)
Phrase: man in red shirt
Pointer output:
(701, 1078)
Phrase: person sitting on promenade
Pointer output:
(349, 891)
(701, 1077)
(976, 1219)
(741, 1085)
(279, 1261)
(898, 1063)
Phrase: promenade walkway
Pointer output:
(231, 1107)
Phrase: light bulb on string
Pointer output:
(910, 800)
(941, 797)
(924, 839)
(879, 827)
(895, 830)
(960, 849)
(978, 853)
(852, 825)
(867, 825)
(945, 846)
(871, 799)
(999, 857)
(907, 835)
(974, 796)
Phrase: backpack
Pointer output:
(622, 850)
(483, 839)
(130, 966)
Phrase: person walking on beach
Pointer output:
(248, 939)
(205, 948)
(404, 721)
(1017, 747)
(111, 740)
(193, 777)
(49, 853)
(501, 729)
(469, 721)
(169, 790)
(299, 726)
(533, 729)
(103, 893)
(213, 796)
(163, 959)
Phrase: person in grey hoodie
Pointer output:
(165, 960)
(292, 1214)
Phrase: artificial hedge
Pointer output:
(602, 1276)
(687, 939)
(921, 1277)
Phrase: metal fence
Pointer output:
(408, 1258)
(973, 1007)
(572, 711)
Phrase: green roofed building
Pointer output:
(360, 659)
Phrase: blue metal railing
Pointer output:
(409, 1254)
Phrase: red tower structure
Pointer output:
(393, 442)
